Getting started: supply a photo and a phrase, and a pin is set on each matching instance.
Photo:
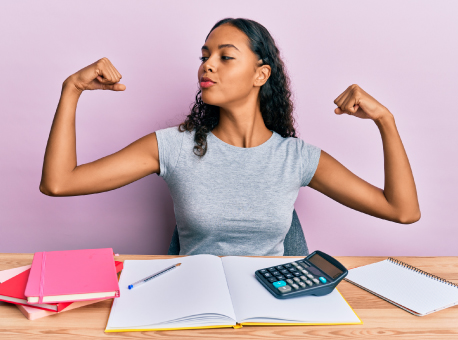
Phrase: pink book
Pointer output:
(33, 313)
(72, 275)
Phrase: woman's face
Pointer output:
(229, 62)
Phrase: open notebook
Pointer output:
(207, 291)
(407, 287)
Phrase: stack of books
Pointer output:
(59, 281)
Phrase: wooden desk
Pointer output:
(381, 319)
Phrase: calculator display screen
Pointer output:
(325, 266)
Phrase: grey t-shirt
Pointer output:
(234, 201)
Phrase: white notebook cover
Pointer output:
(407, 287)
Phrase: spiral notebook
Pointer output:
(405, 286)
(207, 291)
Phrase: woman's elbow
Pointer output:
(409, 218)
(49, 191)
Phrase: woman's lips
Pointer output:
(206, 84)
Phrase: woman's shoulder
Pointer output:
(295, 143)
(173, 133)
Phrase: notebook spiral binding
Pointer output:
(434, 277)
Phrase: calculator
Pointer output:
(317, 274)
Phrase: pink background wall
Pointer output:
(403, 53)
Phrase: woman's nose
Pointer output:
(208, 67)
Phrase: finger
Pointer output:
(341, 102)
(113, 71)
(104, 76)
(116, 72)
(119, 74)
(113, 78)
(108, 73)
(103, 70)
(348, 105)
(114, 87)
(340, 99)
(119, 87)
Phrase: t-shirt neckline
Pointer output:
(221, 142)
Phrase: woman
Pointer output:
(235, 166)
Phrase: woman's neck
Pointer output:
(245, 130)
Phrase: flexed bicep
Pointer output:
(337, 182)
(129, 164)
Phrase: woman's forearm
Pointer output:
(60, 154)
(399, 190)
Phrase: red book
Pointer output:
(12, 290)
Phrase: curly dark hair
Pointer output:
(275, 95)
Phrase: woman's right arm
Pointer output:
(61, 176)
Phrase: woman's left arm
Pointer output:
(398, 201)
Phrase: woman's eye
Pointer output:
(202, 58)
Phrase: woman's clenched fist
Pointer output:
(101, 75)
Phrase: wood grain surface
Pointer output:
(381, 320)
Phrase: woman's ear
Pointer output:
(262, 75)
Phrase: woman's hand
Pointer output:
(101, 75)
(357, 102)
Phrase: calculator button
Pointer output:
(288, 265)
(267, 275)
(303, 264)
(281, 277)
(292, 269)
(304, 271)
(297, 274)
(322, 279)
(310, 276)
(294, 264)
(295, 286)
(310, 283)
(262, 271)
(303, 278)
(289, 276)
(284, 289)
(280, 267)
(299, 268)
(297, 279)
(284, 271)
(316, 281)
(279, 284)
(272, 269)
(272, 279)
(302, 284)
(276, 273)
(290, 281)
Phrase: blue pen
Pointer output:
(149, 278)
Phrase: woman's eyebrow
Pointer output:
(205, 47)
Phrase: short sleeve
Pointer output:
(310, 155)
(169, 142)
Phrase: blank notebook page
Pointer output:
(404, 286)
(191, 295)
(254, 303)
